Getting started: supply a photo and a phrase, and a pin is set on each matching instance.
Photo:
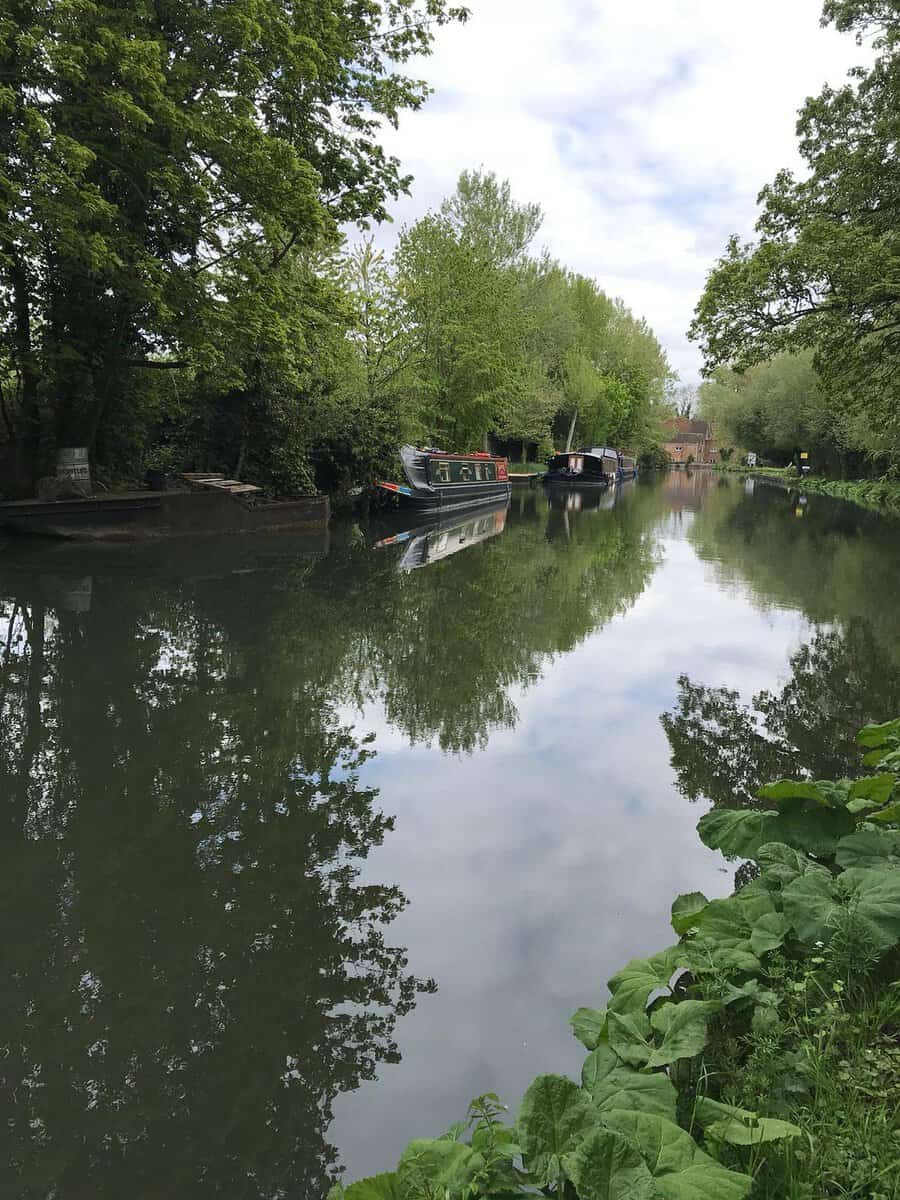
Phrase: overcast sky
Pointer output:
(645, 129)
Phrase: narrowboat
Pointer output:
(440, 482)
(595, 467)
(448, 535)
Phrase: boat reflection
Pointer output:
(434, 540)
(575, 499)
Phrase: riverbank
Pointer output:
(878, 495)
(783, 997)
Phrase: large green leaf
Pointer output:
(589, 1026)
(439, 1164)
(629, 1036)
(874, 788)
(869, 848)
(886, 757)
(606, 1166)
(683, 1029)
(813, 904)
(738, 833)
(722, 942)
(763, 1129)
(741, 832)
(810, 904)
(812, 829)
(889, 815)
(554, 1118)
(705, 957)
(879, 735)
(730, 922)
(680, 1169)
(792, 789)
(781, 864)
(686, 909)
(612, 1085)
(738, 1127)
(875, 897)
(378, 1187)
(768, 933)
(632, 986)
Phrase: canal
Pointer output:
(307, 840)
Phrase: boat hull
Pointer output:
(576, 480)
(451, 499)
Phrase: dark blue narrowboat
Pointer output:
(439, 482)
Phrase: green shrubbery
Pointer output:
(756, 1057)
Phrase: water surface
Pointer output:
(309, 841)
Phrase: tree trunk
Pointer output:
(28, 433)
(571, 431)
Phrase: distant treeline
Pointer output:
(801, 329)
(175, 291)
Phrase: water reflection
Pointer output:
(840, 568)
(432, 541)
(197, 875)
(192, 969)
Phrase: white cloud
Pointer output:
(645, 130)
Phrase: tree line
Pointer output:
(175, 288)
(801, 328)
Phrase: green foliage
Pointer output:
(505, 343)
(168, 174)
(753, 1002)
(821, 280)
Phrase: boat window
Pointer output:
(478, 470)
(489, 470)
(465, 472)
(442, 472)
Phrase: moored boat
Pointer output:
(438, 481)
(594, 467)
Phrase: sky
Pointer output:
(644, 128)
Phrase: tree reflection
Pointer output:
(723, 750)
(444, 645)
(192, 967)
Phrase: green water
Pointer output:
(302, 848)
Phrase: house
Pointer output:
(688, 440)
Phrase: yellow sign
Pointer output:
(804, 454)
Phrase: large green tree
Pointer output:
(510, 343)
(824, 275)
(163, 163)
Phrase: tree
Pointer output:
(776, 408)
(823, 275)
(162, 167)
(464, 302)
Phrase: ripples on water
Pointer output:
(237, 779)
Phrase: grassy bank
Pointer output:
(757, 1057)
(880, 495)
(529, 468)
